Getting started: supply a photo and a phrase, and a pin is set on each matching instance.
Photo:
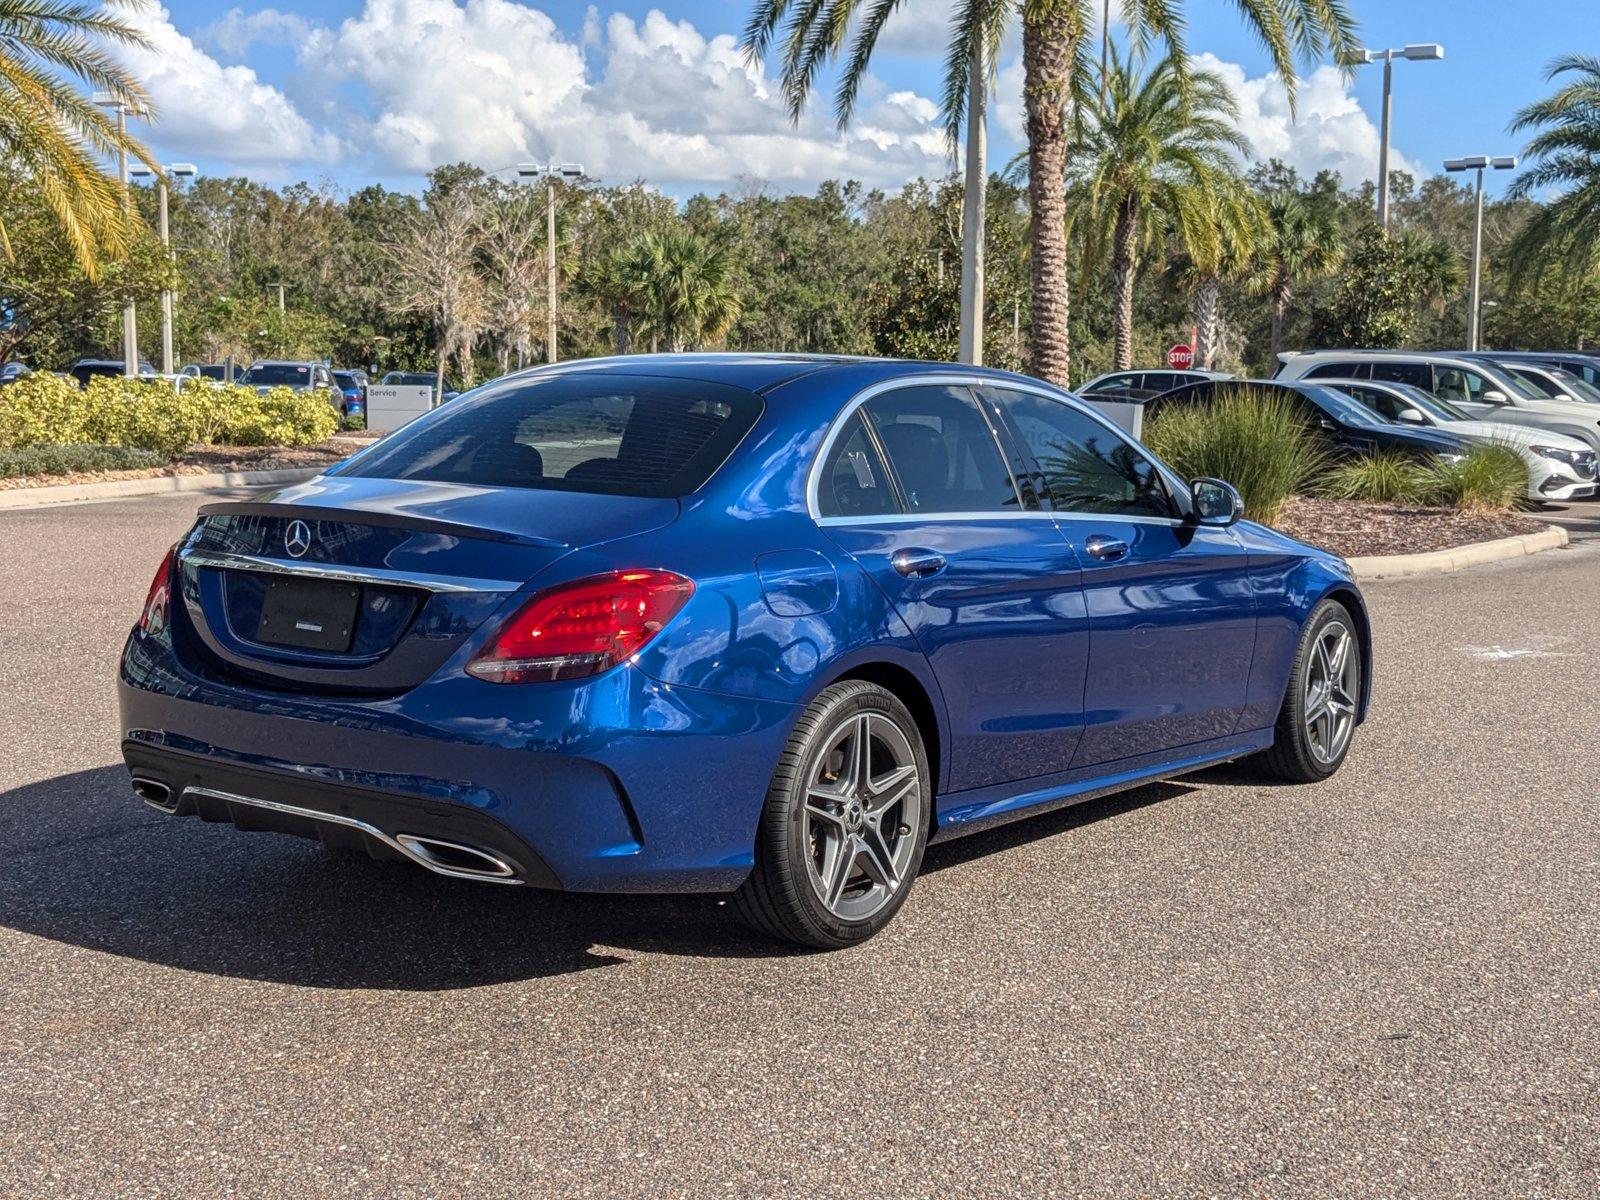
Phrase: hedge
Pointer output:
(45, 409)
(48, 459)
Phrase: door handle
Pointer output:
(917, 563)
(1105, 548)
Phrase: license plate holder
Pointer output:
(310, 614)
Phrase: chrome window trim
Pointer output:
(944, 518)
(225, 560)
(933, 379)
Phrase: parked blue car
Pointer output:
(759, 624)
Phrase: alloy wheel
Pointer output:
(1332, 684)
(863, 806)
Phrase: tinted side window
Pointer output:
(1416, 374)
(854, 482)
(616, 434)
(1082, 465)
(942, 451)
(1386, 405)
(1113, 383)
(1162, 381)
(1340, 370)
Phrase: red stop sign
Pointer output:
(1180, 357)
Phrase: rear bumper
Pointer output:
(617, 784)
(444, 838)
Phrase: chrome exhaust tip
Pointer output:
(155, 793)
(453, 858)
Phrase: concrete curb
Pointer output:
(1443, 562)
(157, 485)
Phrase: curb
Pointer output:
(157, 485)
(1444, 562)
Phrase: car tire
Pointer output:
(1316, 725)
(841, 836)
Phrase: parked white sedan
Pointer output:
(1559, 467)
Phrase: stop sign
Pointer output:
(1180, 357)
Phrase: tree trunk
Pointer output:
(1047, 54)
(1124, 265)
(1280, 306)
(619, 328)
(1206, 300)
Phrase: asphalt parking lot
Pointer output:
(1388, 985)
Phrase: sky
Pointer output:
(349, 92)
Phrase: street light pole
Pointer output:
(548, 172)
(1416, 52)
(130, 323)
(180, 171)
(1477, 163)
(974, 209)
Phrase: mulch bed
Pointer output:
(207, 460)
(1355, 528)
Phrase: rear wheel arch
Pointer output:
(910, 691)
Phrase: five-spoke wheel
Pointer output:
(1321, 702)
(845, 822)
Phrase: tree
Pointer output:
(1301, 244)
(1054, 66)
(516, 269)
(1384, 280)
(1238, 223)
(51, 133)
(1154, 160)
(688, 294)
(1565, 234)
(433, 260)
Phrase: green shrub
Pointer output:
(1252, 439)
(1385, 478)
(1490, 478)
(150, 414)
(48, 459)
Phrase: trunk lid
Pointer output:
(354, 584)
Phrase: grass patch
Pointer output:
(1252, 439)
(47, 459)
(1488, 479)
(1387, 478)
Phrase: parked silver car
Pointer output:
(1559, 467)
(1480, 389)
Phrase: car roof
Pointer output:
(761, 372)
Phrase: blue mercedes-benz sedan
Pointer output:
(758, 624)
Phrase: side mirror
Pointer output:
(1216, 502)
(1411, 417)
(1494, 396)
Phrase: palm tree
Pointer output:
(51, 133)
(1301, 244)
(1566, 232)
(1238, 224)
(1054, 64)
(1056, 67)
(1154, 159)
(685, 289)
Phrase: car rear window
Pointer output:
(273, 374)
(577, 432)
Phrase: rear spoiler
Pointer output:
(356, 516)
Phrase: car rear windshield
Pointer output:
(576, 432)
(272, 374)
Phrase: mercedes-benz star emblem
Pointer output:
(297, 538)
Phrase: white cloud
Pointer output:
(238, 30)
(214, 113)
(1329, 129)
(652, 98)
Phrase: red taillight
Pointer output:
(583, 627)
(153, 616)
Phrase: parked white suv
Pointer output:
(1479, 389)
(1559, 467)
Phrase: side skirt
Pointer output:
(961, 813)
